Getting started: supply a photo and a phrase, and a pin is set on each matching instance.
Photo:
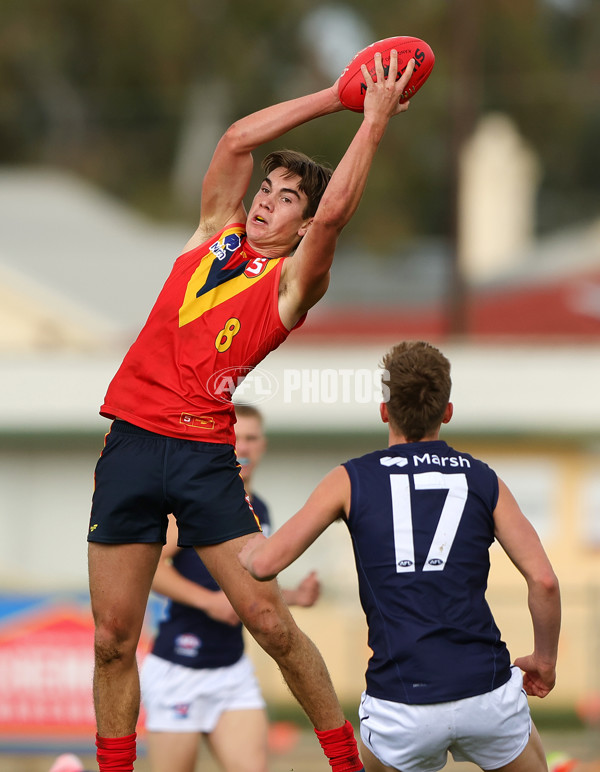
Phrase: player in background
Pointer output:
(422, 517)
(233, 296)
(197, 682)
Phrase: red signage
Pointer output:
(46, 665)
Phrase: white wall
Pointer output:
(45, 495)
(46, 479)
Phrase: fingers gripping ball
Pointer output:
(352, 87)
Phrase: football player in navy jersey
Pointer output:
(422, 517)
(197, 682)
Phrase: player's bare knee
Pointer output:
(114, 644)
(277, 642)
(274, 633)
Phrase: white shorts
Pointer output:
(489, 730)
(184, 699)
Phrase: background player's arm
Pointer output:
(169, 582)
(230, 170)
(523, 546)
(306, 275)
(265, 558)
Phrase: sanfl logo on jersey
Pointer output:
(227, 246)
(393, 461)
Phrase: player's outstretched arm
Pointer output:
(306, 274)
(523, 546)
(230, 170)
(265, 558)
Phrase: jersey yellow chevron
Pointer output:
(193, 306)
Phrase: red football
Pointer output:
(352, 86)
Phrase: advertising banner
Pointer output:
(46, 665)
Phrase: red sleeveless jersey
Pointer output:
(216, 317)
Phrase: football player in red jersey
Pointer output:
(232, 297)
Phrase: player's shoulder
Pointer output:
(452, 451)
(366, 458)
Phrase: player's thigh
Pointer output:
(371, 762)
(532, 759)
(207, 493)
(120, 579)
(128, 503)
(173, 751)
(255, 602)
(239, 741)
(403, 736)
(494, 729)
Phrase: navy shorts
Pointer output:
(141, 477)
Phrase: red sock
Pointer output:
(340, 748)
(116, 754)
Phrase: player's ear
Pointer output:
(383, 412)
(302, 230)
(448, 413)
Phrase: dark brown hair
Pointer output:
(314, 177)
(418, 379)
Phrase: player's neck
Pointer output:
(398, 439)
(271, 250)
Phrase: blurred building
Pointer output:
(78, 275)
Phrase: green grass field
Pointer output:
(304, 755)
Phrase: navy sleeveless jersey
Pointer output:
(187, 636)
(421, 522)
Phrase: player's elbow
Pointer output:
(235, 140)
(551, 584)
(546, 583)
(329, 222)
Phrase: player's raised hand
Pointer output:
(247, 553)
(352, 83)
(383, 94)
(335, 91)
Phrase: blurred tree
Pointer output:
(132, 94)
